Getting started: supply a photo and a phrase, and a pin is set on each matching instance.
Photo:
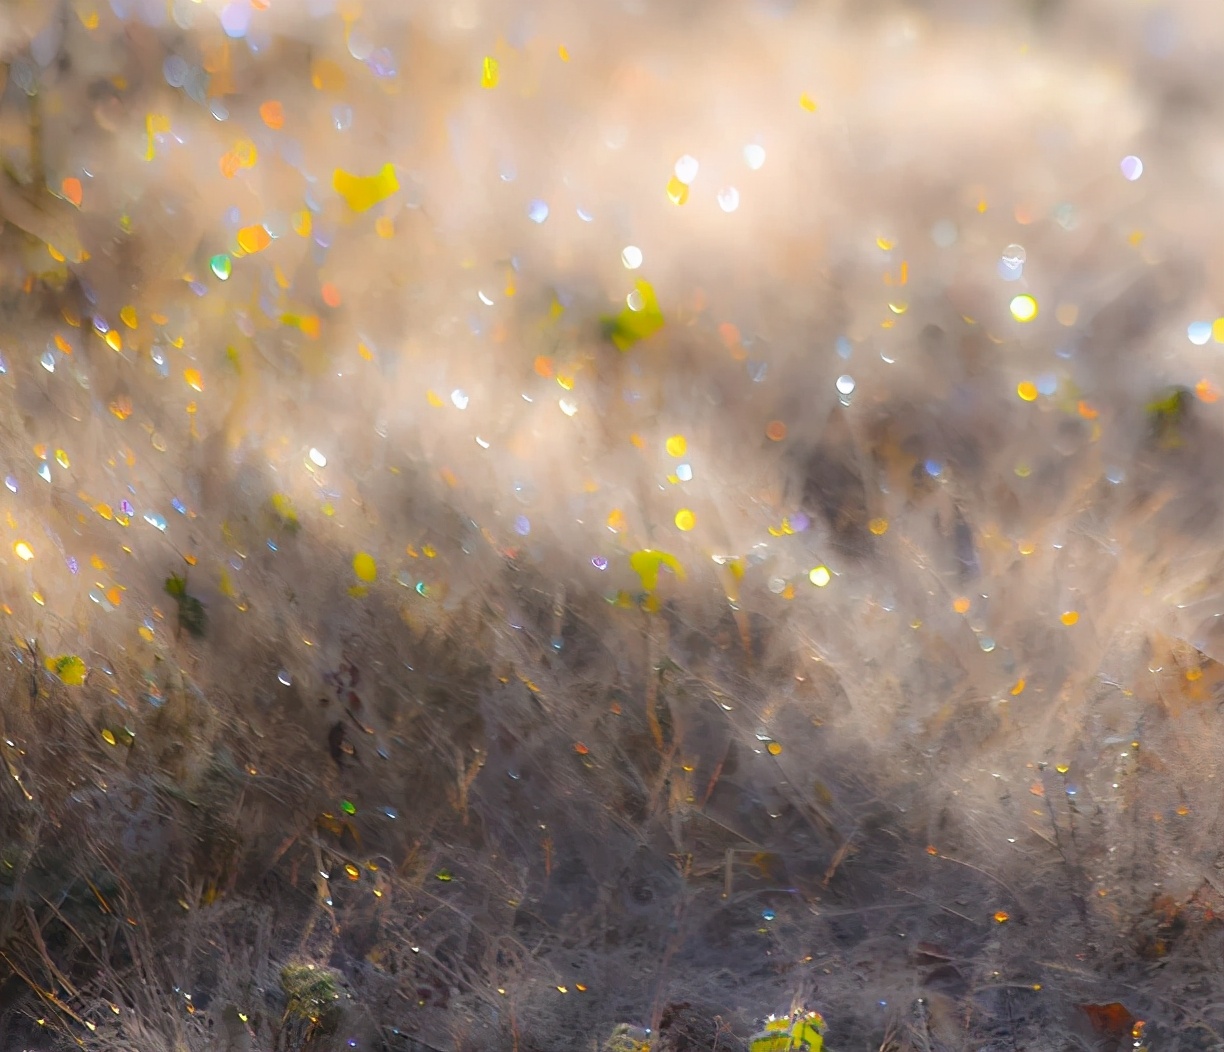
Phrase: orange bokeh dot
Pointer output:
(331, 294)
(775, 431)
(273, 114)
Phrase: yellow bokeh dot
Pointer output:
(1070, 617)
(1027, 390)
(774, 748)
(1024, 307)
(23, 551)
(685, 519)
(677, 446)
(820, 576)
(961, 604)
(878, 526)
(365, 567)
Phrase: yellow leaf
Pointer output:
(647, 563)
(363, 192)
(70, 668)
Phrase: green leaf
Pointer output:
(192, 617)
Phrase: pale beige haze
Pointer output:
(312, 304)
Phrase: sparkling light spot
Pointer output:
(1070, 617)
(1027, 390)
(631, 257)
(317, 458)
(1023, 308)
(754, 156)
(1132, 168)
(537, 211)
(845, 384)
(686, 169)
(236, 18)
(23, 551)
(728, 198)
(685, 520)
(820, 576)
(1199, 332)
(677, 446)
(1011, 263)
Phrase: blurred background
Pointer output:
(542, 526)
